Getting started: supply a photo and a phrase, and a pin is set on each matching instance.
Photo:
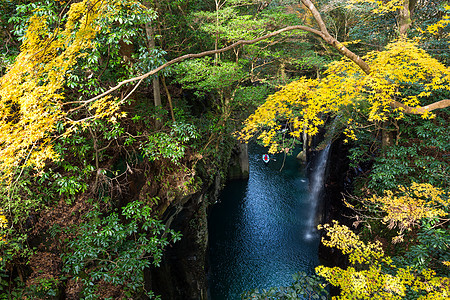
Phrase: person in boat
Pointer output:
(266, 158)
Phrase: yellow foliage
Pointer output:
(444, 22)
(31, 93)
(347, 90)
(372, 275)
(380, 7)
(282, 106)
(411, 204)
(346, 240)
(3, 222)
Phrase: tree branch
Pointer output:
(311, 7)
(205, 53)
(323, 33)
(332, 41)
(362, 64)
(420, 110)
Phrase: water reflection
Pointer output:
(257, 232)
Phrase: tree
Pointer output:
(150, 31)
(31, 91)
(56, 97)
(33, 103)
(377, 96)
(379, 89)
(374, 275)
(386, 96)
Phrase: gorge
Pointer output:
(263, 229)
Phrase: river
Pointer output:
(260, 231)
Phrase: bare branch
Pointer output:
(362, 64)
(316, 15)
(332, 41)
(420, 110)
(323, 33)
(205, 53)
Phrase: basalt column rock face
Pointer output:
(337, 184)
(239, 164)
(182, 273)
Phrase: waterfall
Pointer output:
(316, 187)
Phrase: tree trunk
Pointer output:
(404, 17)
(321, 32)
(282, 70)
(216, 42)
(303, 155)
(155, 82)
(169, 98)
(387, 139)
(149, 30)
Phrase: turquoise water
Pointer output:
(259, 230)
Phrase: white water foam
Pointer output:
(317, 180)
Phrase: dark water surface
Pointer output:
(259, 230)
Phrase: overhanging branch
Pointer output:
(323, 33)
(332, 41)
(421, 109)
(205, 53)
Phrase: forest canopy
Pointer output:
(113, 113)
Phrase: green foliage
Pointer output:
(171, 145)
(11, 289)
(431, 249)
(149, 60)
(20, 200)
(203, 75)
(122, 22)
(378, 34)
(120, 26)
(304, 287)
(70, 185)
(15, 252)
(21, 203)
(310, 60)
(419, 161)
(9, 48)
(251, 96)
(24, 11)
(13, 248)
(432, 132)
(45, 288)
(230, 21)
(390, 170)
(364, 149)
(427, 14)
(117, 248)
